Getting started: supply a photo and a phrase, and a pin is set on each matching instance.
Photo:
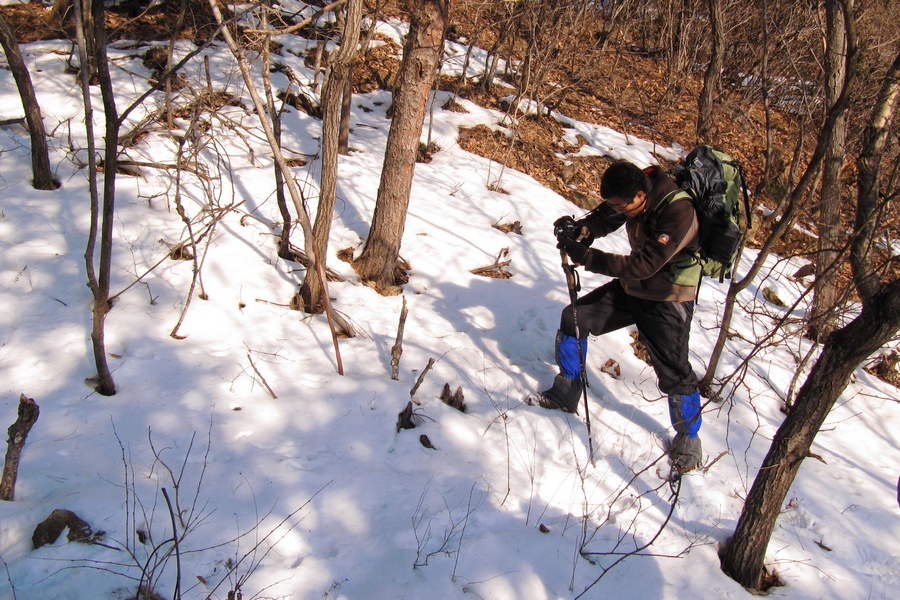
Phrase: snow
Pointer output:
(309, 489)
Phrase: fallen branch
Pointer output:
(299, 256)
(397, 349)
(412, 392)
(18, 431)
(496, 269)
(514, 227)
(261, 378)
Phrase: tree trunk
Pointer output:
(284, 240)
(874, 140)
(346, 103)
(428, 22)
(822, 317)
(743, 558)
(713, 76)
(311, 290)
(40, 158)
(784, 217)
(102, 307)
(92, 49)
(316, 264)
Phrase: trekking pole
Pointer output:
(574, 286)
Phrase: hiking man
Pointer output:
(654, 290)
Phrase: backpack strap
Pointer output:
(653, 218)
(737, 166)
(660, 208)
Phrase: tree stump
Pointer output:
(18, 431)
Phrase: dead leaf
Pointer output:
(612, 368)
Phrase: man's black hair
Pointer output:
(624, 180)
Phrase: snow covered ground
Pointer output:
(293, 481)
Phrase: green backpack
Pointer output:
(713, 181)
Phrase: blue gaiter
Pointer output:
(567, 354)
(685, 413)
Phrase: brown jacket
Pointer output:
(672, 238)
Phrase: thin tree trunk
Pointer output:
(428, 22)
(346, 104)
(40, 158)
(92, 49)
(311, 291)
(868, 163)
(176, 31)
(822, 316)
(764, 93)
(713, 76)
(316, 264)
(744, 556)
(284, 241)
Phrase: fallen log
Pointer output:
(18, 431)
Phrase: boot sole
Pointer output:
(545, 402)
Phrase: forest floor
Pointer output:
(633, 92)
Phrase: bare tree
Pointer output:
(89, 17)
(421, 52)
(317, 264)
(844, 349)
(790, 207)
(822, 316)
(713, 76)
(40, 158)
(334, 91)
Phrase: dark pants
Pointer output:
(664, 328)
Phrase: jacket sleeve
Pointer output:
(602, 221)
(675, 228)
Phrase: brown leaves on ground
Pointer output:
(126, 21)
(536, 147)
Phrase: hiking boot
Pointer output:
(563, 395)
(686, 453)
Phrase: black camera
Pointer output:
(566, 228)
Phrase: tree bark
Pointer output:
(743, 558)
(428, 22)
(713, 76)
(874, 141)
(311, 290)
(346, 105)
(40, 157)
(18, 431)
(89, 16)
(822, 317)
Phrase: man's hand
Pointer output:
(567, 227)
(577, 251)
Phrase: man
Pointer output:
(654, 290)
